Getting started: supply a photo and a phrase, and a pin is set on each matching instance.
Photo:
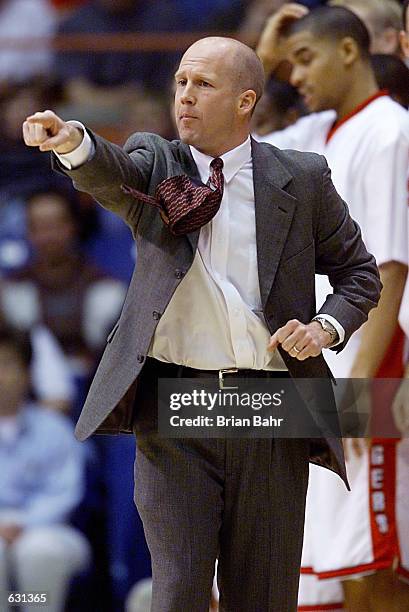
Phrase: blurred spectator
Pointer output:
(51, 382)
(404, 34)
(148, 114)
(383, 20)
(392, 74)
(93, 71)
(50, 375)
(22, 169)
(41, 483)
(61, 288)
(67, 5)
(21, 20)
(280, 106)
(248, 18)
(140, 597)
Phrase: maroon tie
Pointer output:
(186, 205)
(216, 179)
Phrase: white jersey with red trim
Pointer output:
(368, 154)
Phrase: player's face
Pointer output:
(205, 100)
(318, 71)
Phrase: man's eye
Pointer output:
(181, 82)
(204, 84)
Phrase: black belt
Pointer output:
(173, 370)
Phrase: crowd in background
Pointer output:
(67, 521)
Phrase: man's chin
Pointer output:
(316, 106)
(187, 137)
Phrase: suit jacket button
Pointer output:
(140, 358)
(156, 315)
(179, 274)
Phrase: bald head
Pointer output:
(218, 83)
(241, 63)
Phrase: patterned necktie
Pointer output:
(217, 179)
(185, 204)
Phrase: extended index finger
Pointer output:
(45, 118)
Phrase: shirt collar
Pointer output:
(233, 161)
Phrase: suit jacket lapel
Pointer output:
(274, 213)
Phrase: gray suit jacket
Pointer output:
(302, 226)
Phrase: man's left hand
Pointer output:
(299, 340)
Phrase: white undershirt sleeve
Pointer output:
(81, 154)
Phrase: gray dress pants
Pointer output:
(239, 500)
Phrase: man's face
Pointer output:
(13, 380)
(383, 39)
(205, 100)
(50, 227)
(318, 71)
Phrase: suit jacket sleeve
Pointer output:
(110, 167)
(343, 257)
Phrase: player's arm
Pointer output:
(106, 166)
(340, 254)
(270, 48)
(400, 406)
(378, 331)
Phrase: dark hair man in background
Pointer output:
(364, 135)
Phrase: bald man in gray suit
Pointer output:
(238, 295)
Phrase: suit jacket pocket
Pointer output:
(304, 253)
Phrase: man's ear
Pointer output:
(349, 50)
(390, 41)
(404, 43)
(247, 101)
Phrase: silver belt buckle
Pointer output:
(221, 377)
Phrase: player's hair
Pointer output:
(382, 14)
(405, 13)
(284, 96)
(392, 74)
(18, 341)
(333, 23)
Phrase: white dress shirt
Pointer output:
(214, 319)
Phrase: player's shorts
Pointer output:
(316, 595)
(354, 533)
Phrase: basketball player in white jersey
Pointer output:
(401, 400)
(365, 137)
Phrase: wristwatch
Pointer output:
(329, 328)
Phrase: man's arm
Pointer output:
(343, 257)
(103, 174)
(352, 271)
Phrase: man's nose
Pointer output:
(296, 77)
(187, 96)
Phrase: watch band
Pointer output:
(329, 328)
